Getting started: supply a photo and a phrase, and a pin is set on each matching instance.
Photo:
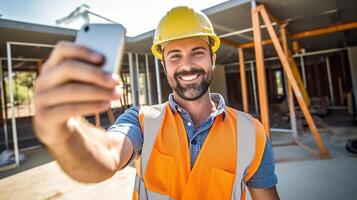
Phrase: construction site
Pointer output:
(292, 64)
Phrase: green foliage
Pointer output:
(23, 87)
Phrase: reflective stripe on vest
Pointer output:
(245, 154)
(153, 117)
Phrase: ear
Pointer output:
(214, 57)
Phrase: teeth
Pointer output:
(189, 77)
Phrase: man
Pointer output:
(192, 147)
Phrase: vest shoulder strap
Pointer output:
(150, 118)
(260, 143)
(245, 152)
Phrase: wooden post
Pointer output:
(350, 103)
(243, 81)
(297, 76)
(263, 102)
(340, 89)
(290, 94)
(324, 153)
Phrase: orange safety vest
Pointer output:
(231, 154)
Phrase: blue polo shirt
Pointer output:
(128, 124)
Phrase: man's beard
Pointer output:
(193, 91)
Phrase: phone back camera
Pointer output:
(86, 29)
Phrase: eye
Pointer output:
(175, 57)
(198, 53)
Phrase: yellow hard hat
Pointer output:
(183, 22)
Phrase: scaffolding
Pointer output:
(283, 54)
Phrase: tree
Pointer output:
(23, 87)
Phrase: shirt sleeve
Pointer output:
(128, 124)
(265, 176)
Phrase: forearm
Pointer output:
(86, 155)
(264, 193)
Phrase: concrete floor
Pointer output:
(49, 182)
(34, 157)
(307, 178)
(316, 179)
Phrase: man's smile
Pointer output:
(189, 77)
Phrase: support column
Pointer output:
(290, 95)
(137, 80)
(3, 107)
(329, 77)
(254, 88)
(158, 82)
(352, 57)
(148, 79)
(263, 101)
(302, 64)
(133, 91)
(243, 81)
(11, 90)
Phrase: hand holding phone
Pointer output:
(106, 39)
(71, 84)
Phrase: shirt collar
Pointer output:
(215, 97)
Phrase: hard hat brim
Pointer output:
(157, 51)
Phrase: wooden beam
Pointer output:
(229, 43)
(259, 56)
(324, 153)
(251, 44)
(311, 33)
(340, 89)
(271, 16)
(296, 47)
(290, 95)
(243, 80)
(285, 34)
(293, 66)
(326, 30)
(298, 78)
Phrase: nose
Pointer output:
(187, 62)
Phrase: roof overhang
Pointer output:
(227, 17)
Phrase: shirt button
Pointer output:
(194, 141)
(189, 123)
(179, 109)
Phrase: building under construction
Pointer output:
(292, 64)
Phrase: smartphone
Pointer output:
(106, 39)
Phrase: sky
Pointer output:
(138, 16)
